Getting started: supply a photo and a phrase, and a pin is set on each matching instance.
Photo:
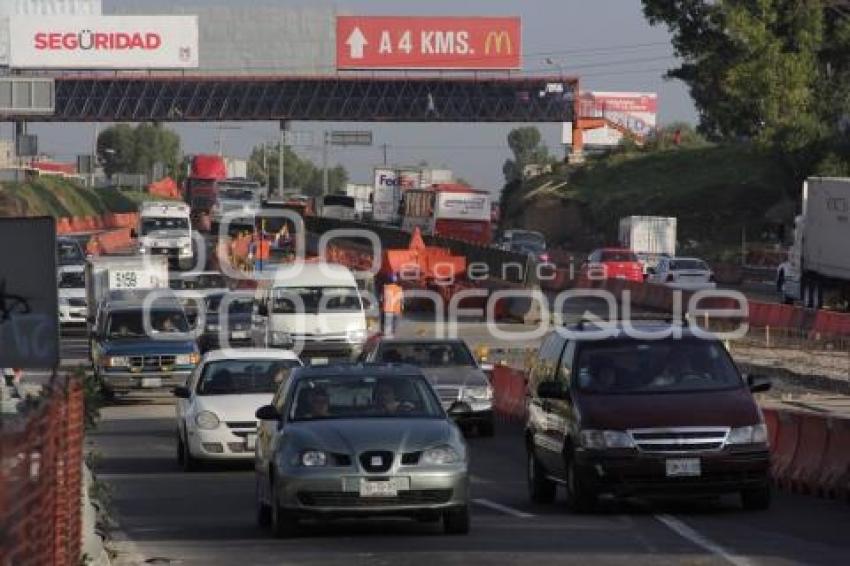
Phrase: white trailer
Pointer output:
(819, 261)
(654, 235)
(107, 274)
(236, 168)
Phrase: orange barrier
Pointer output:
(109, 242)
(509, 394)
(785, 449)
(835, 465)
(804, 473)
(831, 323)
(108, 221)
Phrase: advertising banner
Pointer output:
(463, 206)
(103, 42)
(384, 42)
(634, 111)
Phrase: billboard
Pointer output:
(389, 42)
(103, 42)
(634, 111)
(463, 206)
(29, 302)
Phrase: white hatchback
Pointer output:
(684, 273)
(216, 407)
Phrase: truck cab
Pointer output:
(165, 230)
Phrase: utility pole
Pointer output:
(94, 154)
(385, 147)
(281, 178)
(325, 180)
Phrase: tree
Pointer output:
(527, 147)
(301, 174)
(124, 149)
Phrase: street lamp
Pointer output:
(552, 63)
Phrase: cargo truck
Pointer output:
(818, 267)
(649, 237)
(108, 275)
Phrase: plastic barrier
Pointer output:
(835, 464)
(831, 323)
(805, 471)
(785, 449)
(771, 419)
(509, 394)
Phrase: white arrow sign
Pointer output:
(357, 41)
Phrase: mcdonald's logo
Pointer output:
(498, 40)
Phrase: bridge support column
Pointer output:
(577, 154)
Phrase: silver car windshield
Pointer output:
(343, 397)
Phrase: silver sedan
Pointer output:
(362, 440)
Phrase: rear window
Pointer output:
(619, 256)
(617, 367)
(426, 354)
(688, 264)
(244, 377)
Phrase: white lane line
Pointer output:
(503, 508)
(698, 539)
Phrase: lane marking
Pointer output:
(503, 508)
(688, 533)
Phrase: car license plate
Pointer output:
(689, 467)
(239, 335)
(150, 382)
(250, 441)
(320, 361)
(383, 488)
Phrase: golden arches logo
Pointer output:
(498, 40)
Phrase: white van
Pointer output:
(314, 309)
(165, 230)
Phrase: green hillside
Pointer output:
(714, 191)
(61, 198)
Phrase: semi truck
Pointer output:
(818, 267)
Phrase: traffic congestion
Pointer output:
(317, 285)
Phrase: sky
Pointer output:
(607, 43)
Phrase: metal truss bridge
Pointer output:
(146, 98)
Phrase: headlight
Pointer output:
(116, 361)
(356, 336)
(207, 420)
(756, 434)
(280, 338)
(314, 459)
(440, 456)
(602, 439)
(484, 393)
(188, 359)
(213, 327)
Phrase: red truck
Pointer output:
(200, 190)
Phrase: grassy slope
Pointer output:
(714, 191)
(61, 198)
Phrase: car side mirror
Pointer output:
(181, 392)
(459, 409)
(552, 390)
(267, 413)
(758, 383)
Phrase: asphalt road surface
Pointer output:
(167, 516)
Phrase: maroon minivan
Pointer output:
(627, 415)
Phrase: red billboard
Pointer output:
(389, 42)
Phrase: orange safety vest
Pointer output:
(264, 250)
(393, 296)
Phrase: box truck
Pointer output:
(818, 267)
(107, 275)
(650, 237)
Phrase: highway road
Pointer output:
(166, 516)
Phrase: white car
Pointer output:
(73, 308)
(684, 273)
(215, 409)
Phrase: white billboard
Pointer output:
(635, 112)
(463, 206)
(103, 42)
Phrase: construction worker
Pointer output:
(392, 305)
(262, 253)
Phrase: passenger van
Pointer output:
(314, 309)
(625, 415)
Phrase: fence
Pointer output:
(40, 479)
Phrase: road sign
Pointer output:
(354, 137)
(20, 95)
(382, 42)
(297, 137)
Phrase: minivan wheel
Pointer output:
(757, 498)
(540, 488)
(580, 497)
